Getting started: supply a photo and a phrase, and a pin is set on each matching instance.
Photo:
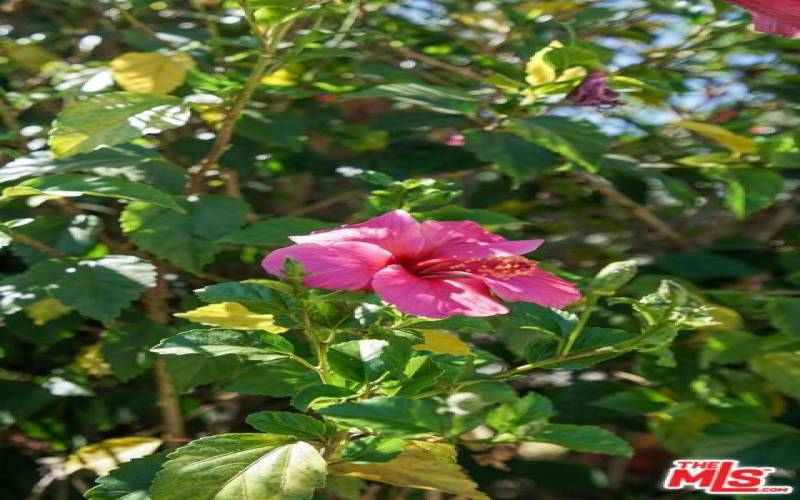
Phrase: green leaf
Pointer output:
(241, 467)
(517, 158)
(274, 232)
(201, 357)
(72, 235)
(391, 416)
(784, 314)
(698, 265)
(584, 438)
(113, 118)
(252, 345)
(130, 481)
(107, 285)
(134, 163)
(186, 239)
(751, 443)
(126, 349)
(561, 58)
(69, 185)
(530, 410)
(318, 395)
(273, 129)
(288, 424)
(244, 292)
(578, 141)
(276, 379)
(440, 99)
(363, 360)
(749, 190)
(19, 399)
(373, 449)
(781, 369)
(484, 217)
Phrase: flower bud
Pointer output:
(612, 277)
(594, 91)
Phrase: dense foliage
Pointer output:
(156, 151)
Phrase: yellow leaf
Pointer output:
(106, 455)
(46, 310)
(279, 78)
(151, 72)
(232, 315)
(739, 144)
(539, 72)
(554, 7)
(490, 21)
(441, 342)
(91, 361)
(725, 318)
(425, 466)
(29, 57)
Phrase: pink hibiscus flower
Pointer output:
(781, 17)
(431, 269)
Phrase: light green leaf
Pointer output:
(70, 185)
(752, 189)
(531, 410)
(186, 239)
(241, 467)
(781, 369)
(113, 118)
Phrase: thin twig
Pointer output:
(642, 213)
(157, 308)
(327, 202)
(269, 42)
(32, 242)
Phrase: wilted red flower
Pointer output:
(594, 91)
(432, 269)
(781, 17)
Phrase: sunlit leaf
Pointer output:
(151, 72)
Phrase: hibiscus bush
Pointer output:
(380, 249)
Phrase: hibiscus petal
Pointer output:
(468, 240)
(348, 265)
(435, 297)
(396, 231)
(541, 288)
(780, 17)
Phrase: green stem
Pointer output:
(591, 302)
(320, 347)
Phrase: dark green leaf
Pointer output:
(186, 239)
(288, 424)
